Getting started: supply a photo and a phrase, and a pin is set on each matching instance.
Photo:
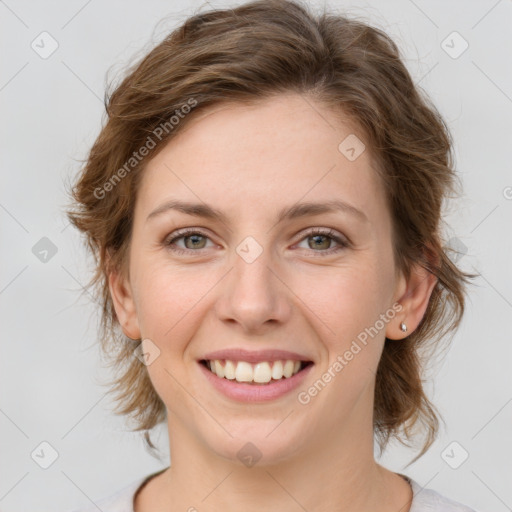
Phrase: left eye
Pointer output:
(321, 239)
(197, 240)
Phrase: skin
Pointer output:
(250, 162)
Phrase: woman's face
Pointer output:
(265, 276)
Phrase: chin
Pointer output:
(255, 444)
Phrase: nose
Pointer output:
(254, 296)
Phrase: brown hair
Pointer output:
(252, 52)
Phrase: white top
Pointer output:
(424, 500)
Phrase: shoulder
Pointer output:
(119, 501)
(428, 500)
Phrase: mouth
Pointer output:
(261, 373)
(255, 376)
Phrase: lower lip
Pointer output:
(255, 392)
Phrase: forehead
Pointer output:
(276, 150)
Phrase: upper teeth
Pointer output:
(262, 372)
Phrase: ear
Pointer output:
(124, 304)
(413, 295)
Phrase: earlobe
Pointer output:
(414, 300)
(124, 304)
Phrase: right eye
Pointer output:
(197, 241)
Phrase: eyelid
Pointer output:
(331, 232)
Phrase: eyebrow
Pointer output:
(289, 213)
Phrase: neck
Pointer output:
(337, 475)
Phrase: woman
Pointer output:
(264, 204)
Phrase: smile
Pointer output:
(261, 373)
(239, 379)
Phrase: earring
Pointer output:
(403, 327)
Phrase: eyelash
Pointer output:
(329, 233)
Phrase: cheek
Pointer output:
(169, 308)
(344, 300)
(169, 300)
(157, 298)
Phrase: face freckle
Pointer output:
(259, 282)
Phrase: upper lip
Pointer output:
(255, 356)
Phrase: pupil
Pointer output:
(194, 239)
(316, 237)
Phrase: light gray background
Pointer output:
(50, 369)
